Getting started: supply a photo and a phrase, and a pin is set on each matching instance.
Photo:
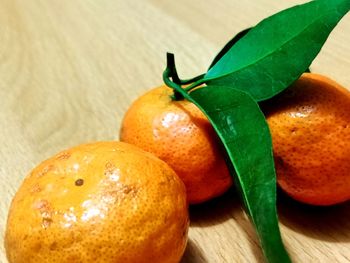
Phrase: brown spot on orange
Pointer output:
(42, 205)
(63, 156)
(45, 170)
(46, 219)
(79, 182)
(35, 189)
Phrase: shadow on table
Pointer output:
(217, 210)
(193, 254)
(330, 224)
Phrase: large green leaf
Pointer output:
(243, 130)
(278, 50)
(228, 46)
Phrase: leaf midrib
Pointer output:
(228, 152)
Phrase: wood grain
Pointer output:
(69, 70)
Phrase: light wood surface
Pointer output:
(69, 70)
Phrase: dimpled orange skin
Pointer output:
(179, 134)
(310, 130)
(100, 202)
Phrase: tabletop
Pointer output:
(70, 69)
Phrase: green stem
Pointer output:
(188, 81)
(172, 80)
(178, 91)
(170, 72)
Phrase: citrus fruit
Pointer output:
(310, 127)
(99, 202)
(179, 134)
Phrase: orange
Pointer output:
(310, 127)
(179, 134)
(99, 202)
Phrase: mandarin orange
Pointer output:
(99, 202)
(310, 127)
(179, 134)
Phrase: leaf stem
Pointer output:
(188, 81)
(172, 80)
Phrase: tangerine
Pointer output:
(310, 128)
(99, 202)
(179, 134)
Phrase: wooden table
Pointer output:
(70, 69)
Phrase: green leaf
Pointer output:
(278, 50)
(243, 130)
(228, 46)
